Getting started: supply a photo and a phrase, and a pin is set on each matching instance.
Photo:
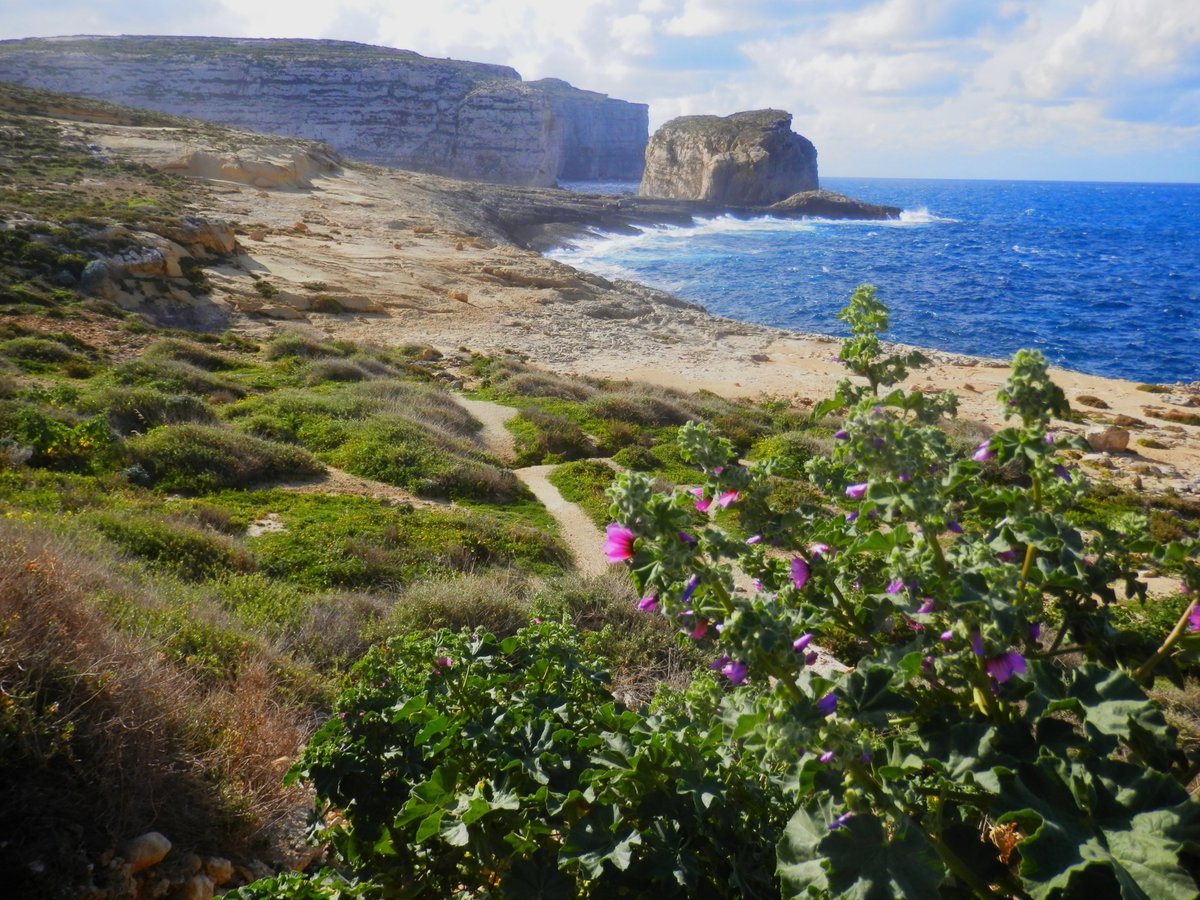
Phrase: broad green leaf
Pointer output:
(429, 826)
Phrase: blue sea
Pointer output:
(1101, 277)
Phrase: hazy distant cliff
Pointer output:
(377, 104)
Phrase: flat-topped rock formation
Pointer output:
(375, 104)
(748, 159)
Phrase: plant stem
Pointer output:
(1145, 669)
(949, 858)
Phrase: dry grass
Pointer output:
(102, 738)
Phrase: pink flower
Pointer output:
(819, 549)
(856, 491)
(983, 452)
(1194, 618)
(701, 504)
(946, 636)
(442, 662)
(895, 586)
(1005, 666)
(619, 543)
(700, 630)
(648, 604)
(726, 498)
(799, 572)
(826, 757)
(926, 606)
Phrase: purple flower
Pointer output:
(927, 665)
(946, 636)
(826, 757)
(690, 588)
(926, 606)
(827, 704)
(686, 538)
(799, 572)
(726, 498)
(904, 478)
(842, 435)
(1194, 618)
(850, 517)
(983, 452)
(1049, 438)
(819, 549)
(648, 604)
(619, 543)
(1006, 555)
(1035, 631)
(856, 491)
(977, 642)
(1005, 666)
(802, 642)
(718, 470)
(758, 585)
(840, 821)
(811, 657)
(1061, 472)
(735, 671)
(895, 586)
(955, 527)
(754, 539)
(915, 626)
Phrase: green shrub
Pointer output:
(39, 354)
(543, 437)
(295, 345)
(635, 457)
(790, 451)
(174, 376)
(641, 408)
(468, 764)
(401, 453)
(334, 370)
(498, 602)
(138, 409)
(199, 458)
(188, 551)
(54, 443)
(545, 384)
(191, 353)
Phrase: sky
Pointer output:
(1105, 90)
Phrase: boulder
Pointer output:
(829, 205)
(1109, 439)
(201, 236)
(746, 159)
(145, 851)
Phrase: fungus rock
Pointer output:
(746, 159)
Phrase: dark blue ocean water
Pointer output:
(1102, 278)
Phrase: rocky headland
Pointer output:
(746, 159)
(374, 104)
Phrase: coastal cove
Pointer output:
(1102, 278)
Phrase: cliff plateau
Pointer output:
(746, 159)
(376, 104)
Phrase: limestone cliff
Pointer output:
(746, 159)
(376, 104)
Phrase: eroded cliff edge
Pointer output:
(375, 104)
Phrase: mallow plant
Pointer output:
(986, 730)
(990, 733)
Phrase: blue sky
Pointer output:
(1006, 89)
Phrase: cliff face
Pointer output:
(376, 104)
(747, 159)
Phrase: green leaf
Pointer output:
(429, 826)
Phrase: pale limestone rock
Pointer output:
(219, 869)
(145, 851)
(747, 159)
(376, 104)
(1109, 439)
(198, 887)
